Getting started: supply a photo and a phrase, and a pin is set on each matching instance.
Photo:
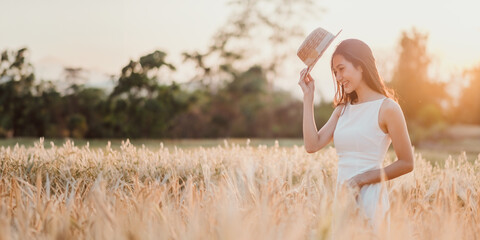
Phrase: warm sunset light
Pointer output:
(239, 119)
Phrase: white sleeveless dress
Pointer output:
(361, 145)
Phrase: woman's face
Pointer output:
(346, 74)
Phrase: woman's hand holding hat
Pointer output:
(311, 49)
(307, 83)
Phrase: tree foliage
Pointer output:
(419, 95)
(468, 108)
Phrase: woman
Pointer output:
(366, 119)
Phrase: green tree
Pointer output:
(16, 92)
(136, 78)
(139, 105)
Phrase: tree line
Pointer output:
(242, 103)
(141, 107)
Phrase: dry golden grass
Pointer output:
(224, 192)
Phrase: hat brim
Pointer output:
(319, 55)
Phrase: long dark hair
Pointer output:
(359, 53)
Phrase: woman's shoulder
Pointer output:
(390, 107)
(390, 104)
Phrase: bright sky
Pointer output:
(103, 35)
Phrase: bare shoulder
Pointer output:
(390, 112)
(389, 106)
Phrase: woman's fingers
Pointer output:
(310, 78)
(302, 73)
(306, 80)
(301, 82)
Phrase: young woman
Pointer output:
(366, 119)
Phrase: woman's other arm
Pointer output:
(397, 129)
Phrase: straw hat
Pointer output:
(314, 45)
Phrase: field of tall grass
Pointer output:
(223, 192)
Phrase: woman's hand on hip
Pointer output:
(356, 184)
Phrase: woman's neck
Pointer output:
(365, 94)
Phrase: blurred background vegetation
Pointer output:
(231, 95)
